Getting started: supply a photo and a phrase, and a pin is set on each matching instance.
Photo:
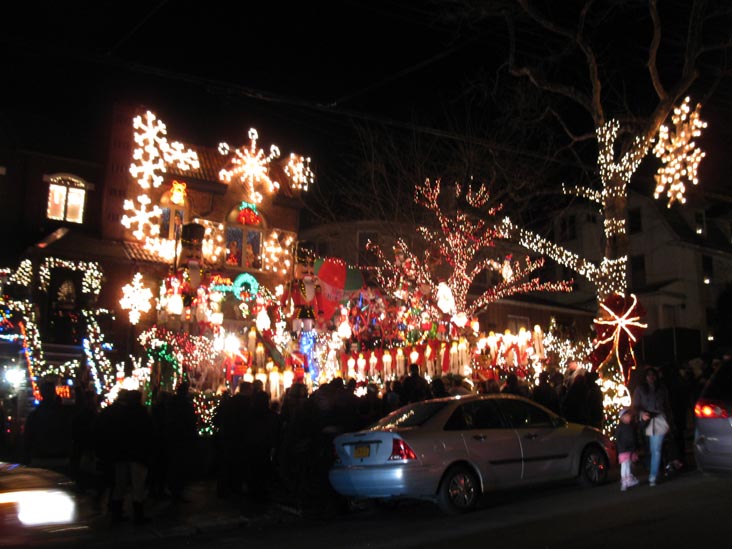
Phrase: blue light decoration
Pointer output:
(307, 347)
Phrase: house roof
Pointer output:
(71, 244)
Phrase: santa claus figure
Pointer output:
(304, 295)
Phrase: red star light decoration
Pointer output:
(617, 331)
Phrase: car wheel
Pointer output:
(593, 467)
(459, 490)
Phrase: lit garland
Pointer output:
(188, 351)
(679, 154)
(457, 243)
(583, 192)
(23, 276)
(99, 365)
(91, 282)
(212, 246)
(277, 256)
(562, 349)
(137, 298)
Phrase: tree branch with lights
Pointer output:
(457, 250)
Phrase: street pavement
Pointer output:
(204, 512)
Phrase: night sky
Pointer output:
(295, 71)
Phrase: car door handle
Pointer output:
(531, 436)
(479, 437)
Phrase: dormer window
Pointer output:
(700, 223)
(66, 197)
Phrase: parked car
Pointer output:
(451, 450)
(36, 505)
(713, 418)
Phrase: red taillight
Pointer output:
(400, 450)
(710, 409)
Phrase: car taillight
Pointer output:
(705, 408)
(400, 450)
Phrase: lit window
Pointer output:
(66, 197)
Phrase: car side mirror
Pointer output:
(559, 422)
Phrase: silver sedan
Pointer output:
(450, 450)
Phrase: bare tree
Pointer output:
(590, 78)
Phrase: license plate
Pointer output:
(362, 451)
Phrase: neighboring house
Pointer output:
(679, 264)
(348, 240)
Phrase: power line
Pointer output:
(230, 88)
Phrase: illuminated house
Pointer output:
(153, 206)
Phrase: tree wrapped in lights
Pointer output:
(459, 244)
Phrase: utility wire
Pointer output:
(230, 88)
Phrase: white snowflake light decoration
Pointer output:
(136, 299)
(299, 172)
(250, 166)
(145, 221)
(154, 153)
(679, 154)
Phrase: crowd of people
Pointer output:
(131, 450)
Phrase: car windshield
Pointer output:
(720, 386)
(412, 415)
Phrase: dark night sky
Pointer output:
(205, 68)
(65, 62)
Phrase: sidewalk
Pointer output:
(202, 512)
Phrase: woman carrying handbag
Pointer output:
(651, 403)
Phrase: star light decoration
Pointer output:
(250, 166)
(137, 298)
(459, 244)
(151, 157)
(679, 154)
(618, 329)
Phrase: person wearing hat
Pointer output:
(625, 443)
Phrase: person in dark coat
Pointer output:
(594, 399)
(415, 386)
(261, 440)
(179, 439)
(574, 406)
(131, 452)
(48, 432)
(545, 394)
